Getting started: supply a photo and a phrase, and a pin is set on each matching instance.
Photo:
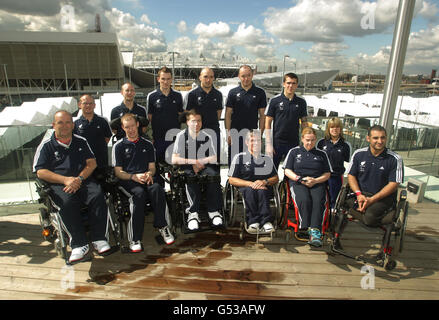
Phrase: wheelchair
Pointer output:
(52, 227)
(232, 198)
(177, 199)
(290, 214)
(393, 224)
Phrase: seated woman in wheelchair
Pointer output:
(194, 151)
(308, 169)
(134, 164)
(374, 175)
(254, 173)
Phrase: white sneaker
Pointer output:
(216, 218)
(135, 246)
(268, 227)
(167, 235)
(78, 253)
(254, 226)
(193, 221)
(101, 246)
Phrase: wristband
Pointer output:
(81, 178)
(298, 178)
(357, 193)
(131, 177)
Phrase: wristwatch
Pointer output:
(81, 178)
(266, 180)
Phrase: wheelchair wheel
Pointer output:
(283, 199)
(229, 197)
(401, 225)
(47, 228)
(389, 264)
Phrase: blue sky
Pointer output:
(319, 34)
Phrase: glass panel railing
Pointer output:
(417, 143)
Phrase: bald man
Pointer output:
(207, 101)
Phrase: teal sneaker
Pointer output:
(315, 237)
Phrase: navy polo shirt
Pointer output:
(65, 160)
(133, 157)
(95, 132)
(286, 114)
(306, 163)
(374, 173)
(189, 148)
(337, 153)
(122, 109)
(207, 104)
(246, 105)
(247, 167)
(164, 111)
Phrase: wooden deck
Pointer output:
(213, 265)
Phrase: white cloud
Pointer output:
(136, 36)
(249, 36)
(331, 21)
(214, 29)
(182, 26)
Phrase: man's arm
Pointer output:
(268, 136)
(262, 120)
(304, 122)
(72, 184)
(228, 123)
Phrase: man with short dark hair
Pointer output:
(374, 175)
(66, 162)
(283, 116)
(163, 107)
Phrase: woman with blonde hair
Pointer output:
(338, 151)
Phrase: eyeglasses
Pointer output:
(87, 103)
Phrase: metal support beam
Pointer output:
(396, 63)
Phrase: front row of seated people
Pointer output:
(66, 162)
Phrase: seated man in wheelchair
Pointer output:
(254, 174)
(308, 169)
(194, 151)
(374, 175)
(134, 165)
(66, 162)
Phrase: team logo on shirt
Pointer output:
(382, 168)
(247, 166)
(144, 150)
(299, 158)
(121, 114)
(158, 105)
(325, 147)
(281, 106)
(362, 166)
(339, 150)
(57, 156)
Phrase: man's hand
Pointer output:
(259, 184)
(198, 166)
(309, 182)
(362, 201)
(142, 178)
(72, 184)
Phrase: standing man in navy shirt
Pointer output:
(134, 164)
(95, 129)
(66, 162)
(283, 116)
(164, 106)
(128, 105)
(244, 104)
(254, 174)
(208, 101)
